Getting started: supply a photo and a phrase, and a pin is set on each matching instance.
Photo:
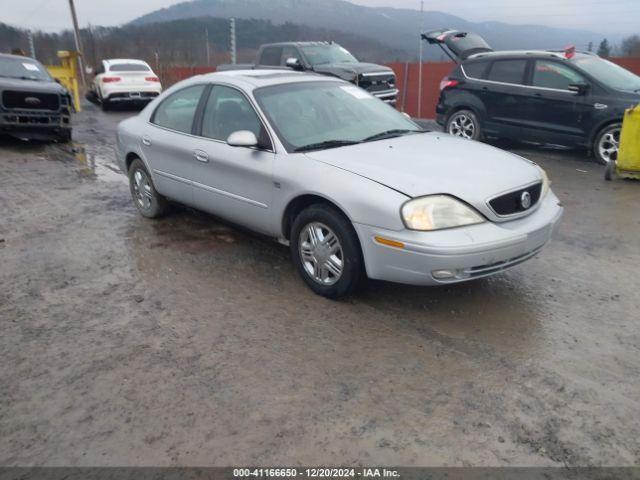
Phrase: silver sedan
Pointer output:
(354, 187)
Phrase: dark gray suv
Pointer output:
(553, 97)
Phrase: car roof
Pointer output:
(298, 44)
(559, 54)
(110, 61)
(253, 79)
(17, 57)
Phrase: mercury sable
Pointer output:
(354, 187)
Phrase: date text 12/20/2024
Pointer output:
(315, 473)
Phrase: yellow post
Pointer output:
(67, 74)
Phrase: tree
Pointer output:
(631, 46)
(604, 50)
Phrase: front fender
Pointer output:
(362, 200)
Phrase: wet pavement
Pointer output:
(186, 341)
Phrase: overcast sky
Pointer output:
(620, 16)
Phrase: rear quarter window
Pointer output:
(475, 69)
(508, 71)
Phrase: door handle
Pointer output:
(200, 156)
(146, 141)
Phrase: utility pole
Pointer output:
(234, 56)
(420, 63)
(206, 33)
(76, 34)
(32, 48)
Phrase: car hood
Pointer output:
(351, 70)
(435, 163)
(31, 86)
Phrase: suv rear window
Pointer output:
(128, 67)
(475, 69)
(508, 71)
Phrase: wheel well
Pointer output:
(597, 131)
(297, 205)
(129, 159)
(455, 110)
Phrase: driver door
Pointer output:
(554, 114)
(235, 183)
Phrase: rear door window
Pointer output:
(178, 110)
(475, 69)
(271, 56)
(508, 71)
(554, 75)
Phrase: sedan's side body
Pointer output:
(190, 141)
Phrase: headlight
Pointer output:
(546, 183)
(438, 212)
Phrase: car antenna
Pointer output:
(424, 37)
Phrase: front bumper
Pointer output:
(387, 96)
(468, 252)
(35, 125)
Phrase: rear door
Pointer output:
(461, 44)
(233, 182)
(554, 114)
(168, 143)
(504, 94)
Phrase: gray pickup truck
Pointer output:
(326, 58)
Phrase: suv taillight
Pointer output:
(111, 79)
(152, 79)
(448, 83)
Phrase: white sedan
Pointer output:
(125, 81)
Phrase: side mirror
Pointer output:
(406, 115)
(293, 63)
(243, 138)
(579, 89)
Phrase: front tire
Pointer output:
(464, 124)
(326, 251)
(65, 136)
(607, 144)
(147, 200)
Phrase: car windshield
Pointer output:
(609, 73)
(128, 67)
(320, 54)
(318, 115)
(23, 68)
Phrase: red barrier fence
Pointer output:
(407, 75)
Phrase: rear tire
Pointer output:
(147, 200)
(607, 144)
(326, 251)
(106, 105)
(464, 124)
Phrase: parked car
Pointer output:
(125, 81)
(354, 187)
(566, 97)
(32, 105)
(326, 58)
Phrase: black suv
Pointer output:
(32, 104)
(553, 97)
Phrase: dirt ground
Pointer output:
(185, 341)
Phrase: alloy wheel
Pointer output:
(321, 253)
(462, 125)
(142, 189)
(609, 145)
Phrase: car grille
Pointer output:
(377, 82)
(12, 100)
(512, 204)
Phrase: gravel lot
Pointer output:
(187, 341)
